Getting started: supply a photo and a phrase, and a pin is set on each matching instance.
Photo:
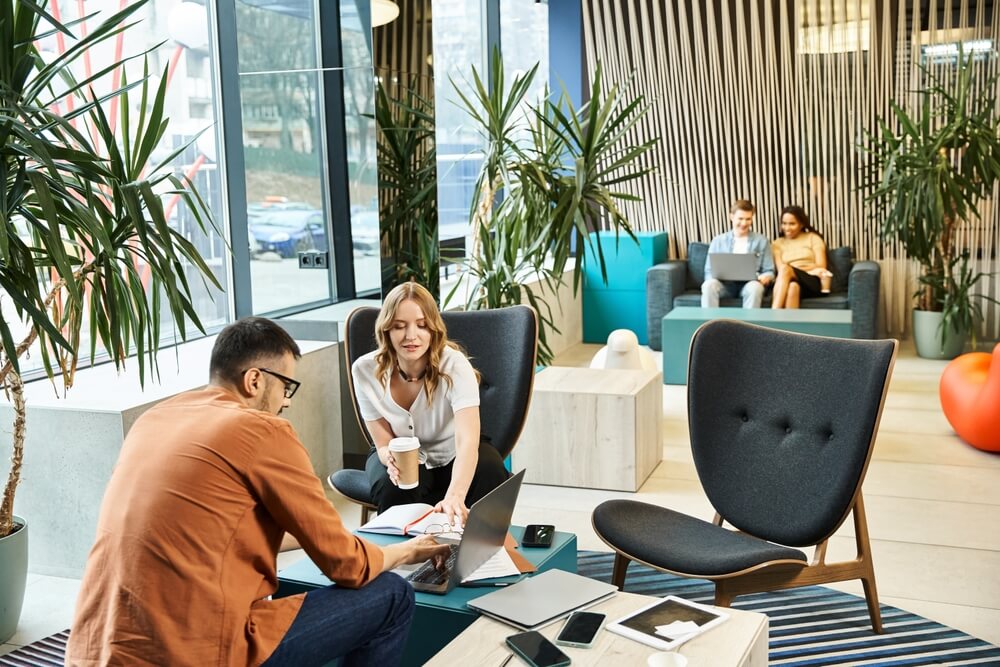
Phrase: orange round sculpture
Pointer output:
(970, 398)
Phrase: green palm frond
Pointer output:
(408, 187)
(81, 207)
(555, 175)
(931, 167)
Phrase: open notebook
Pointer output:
(411, 519)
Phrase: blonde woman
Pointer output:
(419, 383)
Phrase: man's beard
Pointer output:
(265, 405)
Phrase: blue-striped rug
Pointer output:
(809, 626)
(816, 625)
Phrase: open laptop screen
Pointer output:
(733, 266)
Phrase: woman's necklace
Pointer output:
(407, 378)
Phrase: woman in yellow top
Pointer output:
(799, 259)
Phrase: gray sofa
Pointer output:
(678, 283)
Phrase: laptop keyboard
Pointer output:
(428, 574)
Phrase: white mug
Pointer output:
(666, 659)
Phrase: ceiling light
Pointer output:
(383, 11)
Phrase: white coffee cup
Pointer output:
(406, 452)
(666, 659)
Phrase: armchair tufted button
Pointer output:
(830, 437)
(788, 429)
(745, 417)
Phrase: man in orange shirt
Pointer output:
(207, 487)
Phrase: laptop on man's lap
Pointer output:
(733, 266)
(484, 534)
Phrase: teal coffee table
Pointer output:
(438, 618)
(679, 325)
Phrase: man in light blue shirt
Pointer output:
(739, 240)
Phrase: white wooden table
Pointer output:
(740, 641)
(592, 428)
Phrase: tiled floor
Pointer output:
(933, 506)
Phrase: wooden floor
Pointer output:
(933, 506)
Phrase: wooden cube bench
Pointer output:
(592, 428)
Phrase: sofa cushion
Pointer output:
(830, 301)
(839, 261)
(693, 299)
(688, 299)
(697, 256)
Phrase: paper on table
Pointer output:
(677, 629)
(499, 565)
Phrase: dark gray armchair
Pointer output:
(502, 345)
(781, 437)
(678, 283)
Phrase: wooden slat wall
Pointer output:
(401, 48)
(767, 100)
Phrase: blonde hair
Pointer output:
(385, 358)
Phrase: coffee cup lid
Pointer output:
(403, 444)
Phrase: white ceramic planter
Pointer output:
(927, 331)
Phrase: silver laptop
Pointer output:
(546, 597)
(485, 531)
(733, 265)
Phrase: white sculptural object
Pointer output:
(623, 352)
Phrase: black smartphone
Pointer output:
(538, 535)
(536, 650)
(581, 629)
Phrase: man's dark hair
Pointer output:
(245, 343)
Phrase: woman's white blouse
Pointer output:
(434, 424)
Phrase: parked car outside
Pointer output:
(288, 228)
(365, 234)
(287, 232)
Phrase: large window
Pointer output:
(185, 54)
(282, 109)
(524, 42)
(359, 128)
(459, 44)
(284, 152)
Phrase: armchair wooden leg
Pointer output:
(723, 598)
(867, 566)
(871, 597)
(618, 573)
(366, 512)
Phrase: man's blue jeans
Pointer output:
(752, 292)
(365, 626)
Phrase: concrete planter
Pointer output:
(13, 577)
(927, 332)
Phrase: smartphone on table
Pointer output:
(538, 535)
(580, 629)
(536, 650)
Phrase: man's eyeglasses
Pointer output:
(291, 386)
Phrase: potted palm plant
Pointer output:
(936, 163)
(551, 174)
(83, 233)
(407, 168)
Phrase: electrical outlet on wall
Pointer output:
(314, 259)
